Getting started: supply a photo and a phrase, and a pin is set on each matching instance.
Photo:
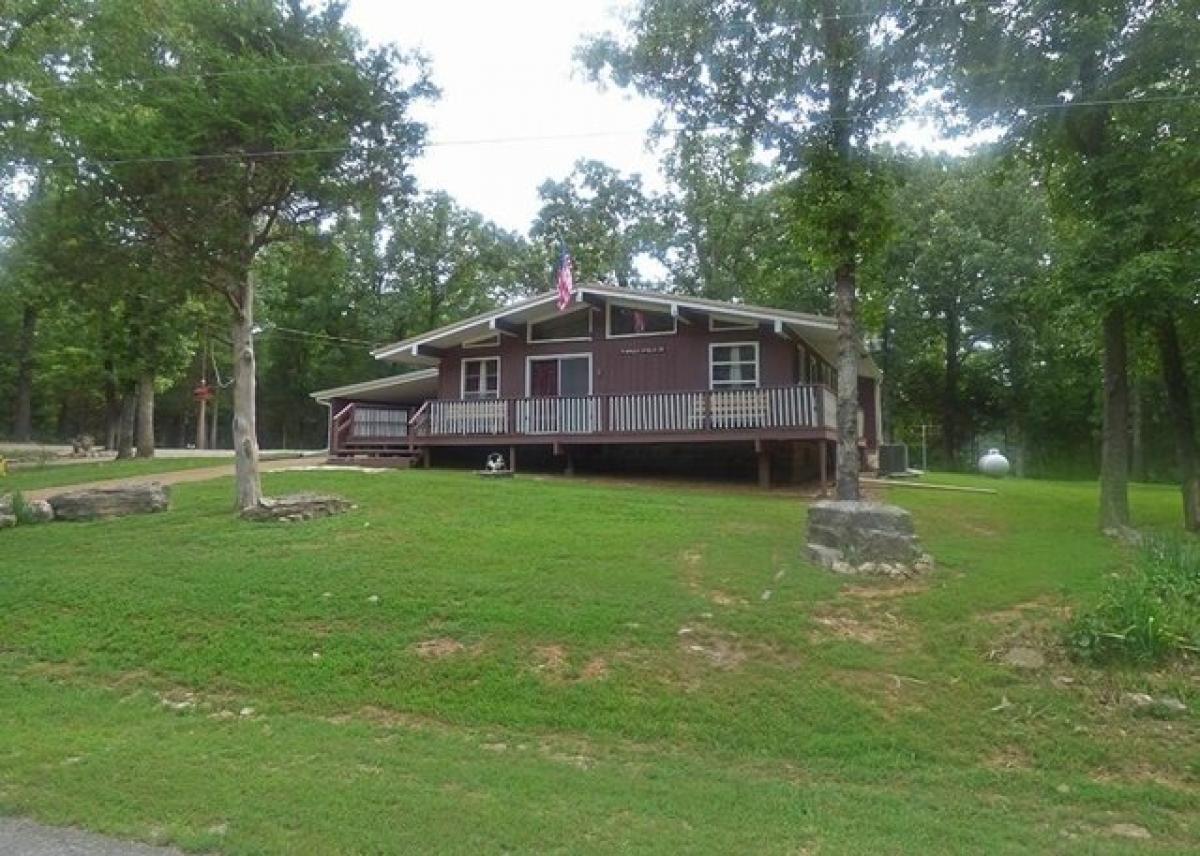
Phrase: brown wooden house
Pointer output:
(618, 375)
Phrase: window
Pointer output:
(481, 377)
(566, 375)
(491, 341)
(718, 325)
(733, 366)
(571, 327)
(628, 321)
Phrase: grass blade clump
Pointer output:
(1149, 615)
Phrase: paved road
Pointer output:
(172, 477)
(20, 837)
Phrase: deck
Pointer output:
(765, 413)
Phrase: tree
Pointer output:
(226, 126)
(1091, 62)
(811, 81)
(445, 262)
(605, 219)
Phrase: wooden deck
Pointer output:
(805, 412)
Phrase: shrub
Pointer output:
(1150, 614)
(20, 509)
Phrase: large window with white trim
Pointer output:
(481, 377)
(733, 365)
(565, 327)
(627, 321)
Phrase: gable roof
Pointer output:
(818, 330)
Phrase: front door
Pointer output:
(568, 379)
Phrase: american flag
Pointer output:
(564, 280)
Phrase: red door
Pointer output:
(543, 378)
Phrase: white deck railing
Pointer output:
(377, 423)
(771, 408)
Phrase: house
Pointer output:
(617, 378)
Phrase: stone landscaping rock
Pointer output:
(6, 503)
(39, 511)
(105, 502)
(300, 506)
(864, 538)
(7, 521)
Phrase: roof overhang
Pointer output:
(411, 386)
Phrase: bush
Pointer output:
(1151, 614)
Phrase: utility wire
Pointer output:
(535, 138)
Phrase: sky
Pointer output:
(506, 69)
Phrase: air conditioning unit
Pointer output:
(893, 459)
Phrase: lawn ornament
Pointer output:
(993, 464)
(496, 467)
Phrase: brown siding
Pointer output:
(653, 363)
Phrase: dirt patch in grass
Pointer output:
(869, 627)
(1008, 758)
(723, 598)
(594, 670)
(436, 649)
(884, 590)
(553, 663)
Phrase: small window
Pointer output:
(733, 366)
(718, 325)
(628, 321)
(481, 377)
(574, 326)
(491, 341)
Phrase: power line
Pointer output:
(536, 138)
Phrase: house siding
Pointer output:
(652, 363)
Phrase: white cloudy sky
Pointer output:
(506, 70)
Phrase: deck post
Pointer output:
(570, 468)
(822, 466)
(512, 459)
(764, 465)
(427, 458)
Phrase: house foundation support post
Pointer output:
(822, 464)
(512, 458)
(764, 464)
(569, 469)
(427, 457)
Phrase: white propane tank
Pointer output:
(993, 464)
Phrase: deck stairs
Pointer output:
(398, 455)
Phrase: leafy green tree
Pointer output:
(607, 220)
(445, 262)
(1092, 62)
(812, 81)
(227, 126)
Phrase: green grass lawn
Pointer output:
(59, 475)
(556, 666)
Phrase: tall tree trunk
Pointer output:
(23, 410)
(112, 406)
(245, 440)
(950, 382)
(1114, 451)
(1137, 468)
(125, 432)
(1179, 402)
(847, 381)
(145, 416)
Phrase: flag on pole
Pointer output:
(564, 281)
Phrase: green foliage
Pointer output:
(1148, 615)
(606, 220)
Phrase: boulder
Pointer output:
(867, 537)
(39, 511)
(300, 506)
(101, 503)
(7, 521)
(6, 503)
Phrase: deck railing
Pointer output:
(367, 424)
(767, 408)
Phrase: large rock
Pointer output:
(7, 521)
(300, 506)
(863, 537)
(104, 502)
